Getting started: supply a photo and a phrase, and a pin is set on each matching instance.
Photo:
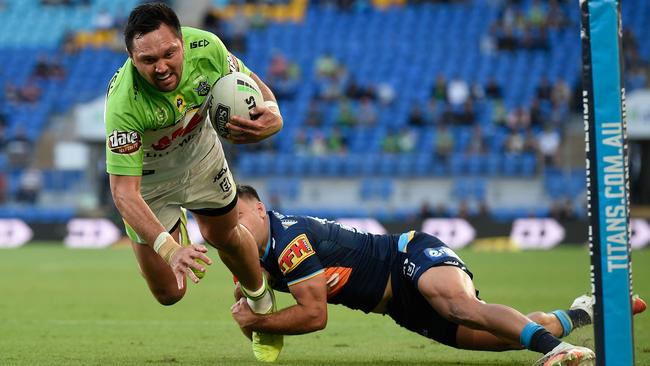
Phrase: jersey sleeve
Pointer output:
(124, 133)
(225, 59)
(296, 258)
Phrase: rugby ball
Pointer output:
(234, 94)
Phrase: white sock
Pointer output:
(260, 300)
(261, 305)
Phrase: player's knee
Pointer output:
(224, 240)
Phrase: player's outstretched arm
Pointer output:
(268, 122)
(308, 315)
(136, 212)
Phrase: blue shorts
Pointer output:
(417, 253)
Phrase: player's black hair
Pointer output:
(147, 18)
(244, 191)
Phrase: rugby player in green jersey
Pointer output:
(163, 156)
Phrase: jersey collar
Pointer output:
(268, 244)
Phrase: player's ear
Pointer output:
(261, 209)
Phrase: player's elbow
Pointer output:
(318, 318)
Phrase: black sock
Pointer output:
(579, 317)
(542, 341)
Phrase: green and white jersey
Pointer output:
(160, 135)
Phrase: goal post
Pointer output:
(607, 181)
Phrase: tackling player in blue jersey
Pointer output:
(413, 277)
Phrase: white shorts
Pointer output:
(208, 189)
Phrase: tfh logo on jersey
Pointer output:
(297, 251)
(124, 142)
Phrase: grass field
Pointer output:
(91, 307)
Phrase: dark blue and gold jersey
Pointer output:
(356, 264)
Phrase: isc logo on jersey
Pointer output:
(124, 142)
(297, 251)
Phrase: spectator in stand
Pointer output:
(314, 116)
(467, 115)
(30, 92)
(483, 214)
(336, 142)
(463, 210)
(283, 77)
(318, 145)
(493, 89)
(433, 112)
(385, 93)
(537, 117)
(457, 92)
(506, 40)
(406, 140)
(439, 90)
(416, 117)
(18, 149)
(353, 90)
(29, 186)
(536, 15)
(549, 145)
(425, 211)
(327, 66)
(347, 116)
(518, 118)
(477, 144)
(301, 143)
(259, 20)
(390, 143)
(367, 115)
(499, 113)
(279, 66)
(443, 143)
(544, 89)
(556, 16)
(562, 210)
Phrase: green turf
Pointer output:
(91, 307)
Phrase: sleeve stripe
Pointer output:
(305, 278)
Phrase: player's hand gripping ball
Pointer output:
(234, 94)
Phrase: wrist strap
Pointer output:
(165, 246)
(270, 104)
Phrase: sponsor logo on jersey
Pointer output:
(233, 64)
(409, 269)
(295, 253)
(197, 44)
(203, 89)
(166, 141)
(180, 103)
(225, 183)
(288, 223)
(121, 142)
(161, 116)
(435, 253)
(336, 278)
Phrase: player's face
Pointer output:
(158, 56)
(251, 215)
